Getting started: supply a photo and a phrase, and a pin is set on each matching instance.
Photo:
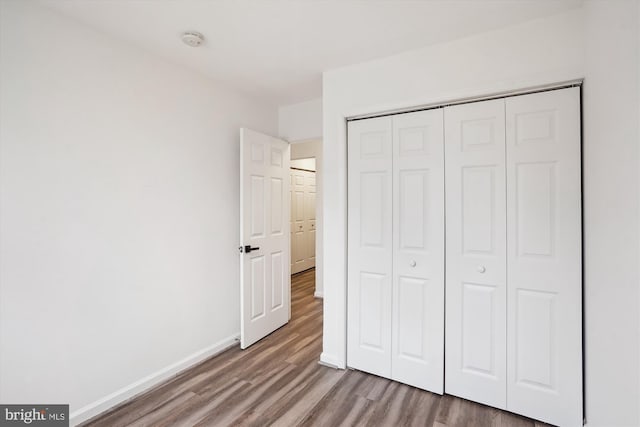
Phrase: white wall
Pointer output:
(305, 150)
(119, 213)
(301, 121)
(598, 42)
(611, 213)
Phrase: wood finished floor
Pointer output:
(279, 382)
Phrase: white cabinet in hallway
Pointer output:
(303, 220)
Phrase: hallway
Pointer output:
(278, 381)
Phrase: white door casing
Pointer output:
(544, 260)
(370, 246)
(418, 255)
(264, 209)
(475, 357)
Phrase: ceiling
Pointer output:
(277, 49)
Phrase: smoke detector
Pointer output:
(192, 38)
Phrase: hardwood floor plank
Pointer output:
(278, 382)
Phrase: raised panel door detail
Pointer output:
(536, 331)
(535, 127)
(373, 145)
(478, 329)
(276, 157)
(311, 206)
(298, 238)
(257, 153)
(414, 217)
(535, 194)
(413, 141)
(372, 202)
(312, 244)
(277, 280)
(257, 206)
(478, 209)
(413, 306)
(276, 206)
(478, 134)
(299, 209)
(258, 272)
(371, 310)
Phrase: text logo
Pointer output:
(34, 415)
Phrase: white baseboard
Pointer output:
(144, 384)
(331, 361)
(318, 294)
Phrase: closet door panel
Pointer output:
(476, 252)
(370, 245)
(418, 250)
(544, 377)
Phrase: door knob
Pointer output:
(248, 249)
(481, 269)
(412, 264)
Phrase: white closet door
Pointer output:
(369, 246)
(418, 241)
(298, 237)
(303, 220)
(475, 252)
(544, 257)
(310, 218)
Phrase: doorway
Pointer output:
(305, 225)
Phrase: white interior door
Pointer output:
(298, 237)
(370, 245)
(476, 252)
(310, 218)
(418, 255)
(303, 220)
(264, 261)
(544, 376)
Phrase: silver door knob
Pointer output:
(412, 263)
(481, 269)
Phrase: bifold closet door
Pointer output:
(544, 315)
(370, 243)
(418, 254)
(476, 252)
(396, 248)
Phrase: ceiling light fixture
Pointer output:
(192, 38)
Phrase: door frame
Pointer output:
(335, 331)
